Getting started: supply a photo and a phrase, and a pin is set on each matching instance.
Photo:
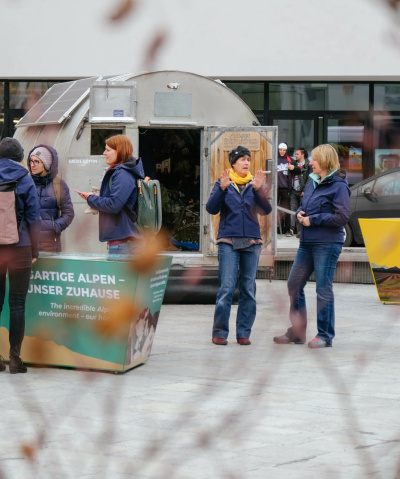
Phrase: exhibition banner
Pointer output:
(90, 313)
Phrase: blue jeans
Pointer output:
(320, 258)
(17, 261)
(129, 248)
(230, 262)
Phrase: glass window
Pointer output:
(347, 137)
(319, 96)
(387, 185)
(252, 93)
(24, 94)
(386, 142)
(296, 134)
(99, 136)
(387, 97)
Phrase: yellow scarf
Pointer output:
(238, 180)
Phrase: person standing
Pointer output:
(323, 213)
(56, 210)
(283, 187)
(239, 198)
(118, 196)
(16, 259)
(298, 178)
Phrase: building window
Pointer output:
(250, 93)
(99, 136)
(319, 96)
(387, 97)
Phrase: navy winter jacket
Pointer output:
(327, 204)
(27, 203)
(51, 224)
(114, 222)
(238, 210)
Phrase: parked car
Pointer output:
(375, 197)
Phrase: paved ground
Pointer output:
(196, 410)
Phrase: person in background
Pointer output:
(283, 187)
(56, 209)
(323, 213)
(118, 196)
(298, 178)
(16, 259)
(239, 198)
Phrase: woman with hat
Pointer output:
(239, 198)
(56, 210)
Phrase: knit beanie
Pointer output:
(11, 148)
(44, 155)
(282, 146)
(237, 153)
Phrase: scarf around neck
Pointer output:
(238, 180)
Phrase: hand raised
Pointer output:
(225, 180)
(259, 179)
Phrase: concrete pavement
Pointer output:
(199, 411)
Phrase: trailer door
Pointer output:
(262, 142)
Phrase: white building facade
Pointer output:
(320, 71)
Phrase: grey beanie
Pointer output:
(11, 148)
(44, 155)
(237, 153)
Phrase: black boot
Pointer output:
(2, 364)
(16, 365)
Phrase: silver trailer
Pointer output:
(181, 124)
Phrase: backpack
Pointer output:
(148, 206)
(9, 230)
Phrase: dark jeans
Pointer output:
(295, 200)
(230, 262)
(320, 258)
(17, 261)
(284, 202)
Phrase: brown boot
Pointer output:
(2, 364)
(16, 365)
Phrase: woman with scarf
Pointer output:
(239, 198)
(118, 197)
(56, 210)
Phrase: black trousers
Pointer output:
(284, 202)
(17, 262)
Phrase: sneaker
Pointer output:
(243, 341)
(284, 339)
(2, 364)
(319, 343)
(220, 341)
(17, 365)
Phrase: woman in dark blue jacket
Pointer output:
(56, 210)
(239, 198)
(16, 259)
(323, 213)
(118, 196)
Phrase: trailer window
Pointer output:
(99, 137)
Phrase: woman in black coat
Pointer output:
(56, 210)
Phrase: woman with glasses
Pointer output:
(56, 210)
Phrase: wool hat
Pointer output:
(282, 146)
(11, 148)
(237, 153)
(44, 155)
